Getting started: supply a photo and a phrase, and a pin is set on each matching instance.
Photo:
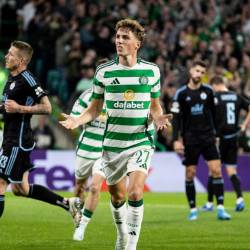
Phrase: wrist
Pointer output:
(19, 109)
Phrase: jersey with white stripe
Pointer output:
(90, 140)
(25, 90)
(127, 92)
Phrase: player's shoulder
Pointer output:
(105, 66)
(86, 94)
(28, 78)
(148, 65)
(207, 87)
(180, 91)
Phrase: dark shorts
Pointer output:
(193, 152)
(13, 163)
(228, 151)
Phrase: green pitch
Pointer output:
(29, 224)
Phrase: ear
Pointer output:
(138, 44)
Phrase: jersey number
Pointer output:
(230, 113)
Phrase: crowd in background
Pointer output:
(68, 38)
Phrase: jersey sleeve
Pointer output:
(156, 87)
(244, 103)
(34, 88)
(176, 111)
(81, 103)
(98, 86)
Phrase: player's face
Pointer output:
(126, 42)
(196, 73)
(13, 59)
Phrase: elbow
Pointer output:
(48, 109)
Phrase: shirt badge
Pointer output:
(12, 85)
(143, 80)
(203, 96)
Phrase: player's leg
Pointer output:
(89, 206)
(191, 156)
(209, 206)
(135, 207)
(3, 187)
(119, 211)
(83, 170)
(138, 166)
(214, 166)
(7, 164)
(232, 174)
(231, 169)
(80, 189)
(18, 177)
(190, 191)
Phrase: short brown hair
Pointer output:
(199, 63)
(26, 51)
(134, 26)
(216, 80)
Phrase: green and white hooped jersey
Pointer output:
(90, 141)
(127, 92)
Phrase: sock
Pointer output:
(239, 200)
(86, 217)
(1, 205)
(134, 221)
(218, 188)
(41, 193)
(119, 214)
(210, 192)
(236, 184)
(191, 193)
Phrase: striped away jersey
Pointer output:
(90, 140)
(127, 92)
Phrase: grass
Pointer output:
(28, 224)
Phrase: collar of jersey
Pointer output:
(117, 60)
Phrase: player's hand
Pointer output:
(179, 147)
(163, 121)
(243, 128)
(11, 106)
(69, 122)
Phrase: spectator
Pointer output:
(44, 135)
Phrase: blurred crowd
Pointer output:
(69, 36)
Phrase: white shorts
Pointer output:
(85, 168)
(118, 165)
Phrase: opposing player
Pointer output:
(130, 88)
(88, 162)
(193, 110)
(228, 107)
(22, 97)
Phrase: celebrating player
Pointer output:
(130, 88)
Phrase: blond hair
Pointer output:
(25, 50)
(133, 26)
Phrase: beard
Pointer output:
(196, 80)
(12, 67)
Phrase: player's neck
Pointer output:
(128, 61)
(17, 71)
(192, 85)
(223, 89)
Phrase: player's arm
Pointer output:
(246, 121)
(245, 105)
(43, 107)
(2, 108)
(89, 114)
(177, 141)
(161, 120)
